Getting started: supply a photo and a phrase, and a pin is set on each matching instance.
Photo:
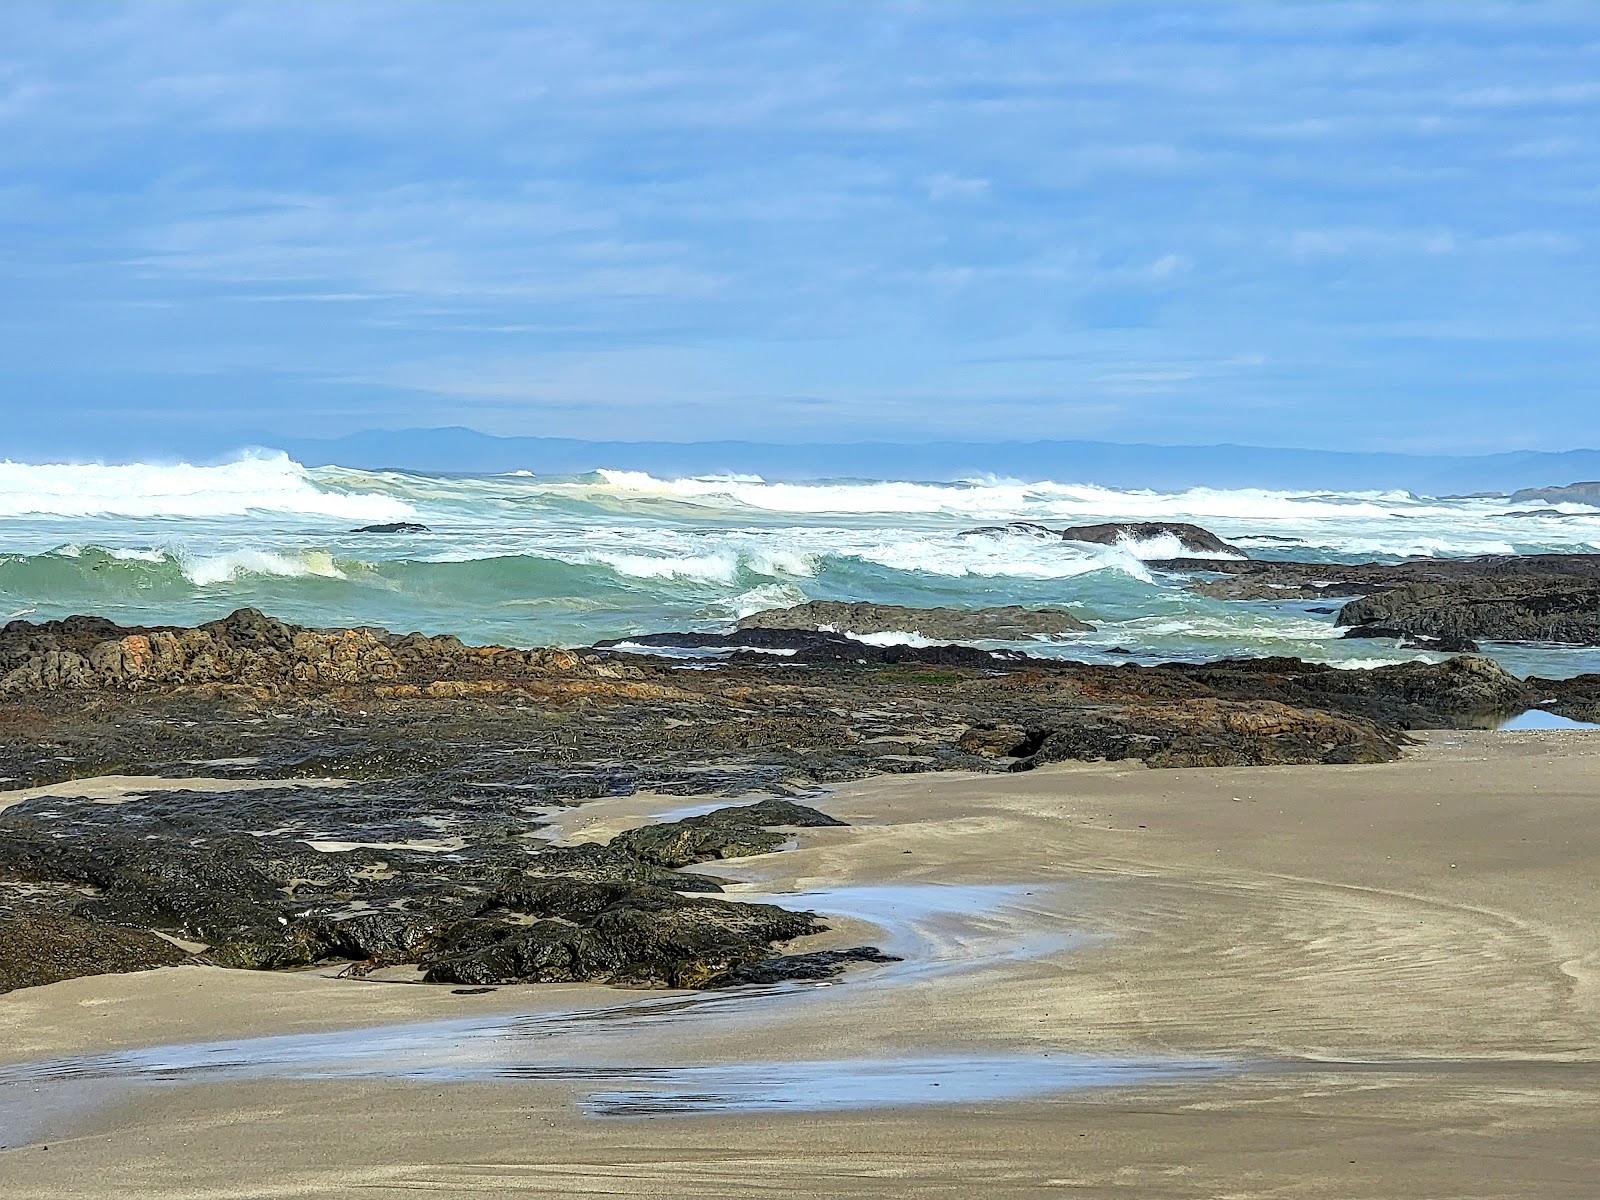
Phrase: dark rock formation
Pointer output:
(1275, 580)
(734, 832)
(612, 933)
(41, 949)
(808, 646)
(1009, 623)
(1577, 698)
(1502, 609)
(819, 964)
(393, 527)
(1412, 641)
(1193, 538)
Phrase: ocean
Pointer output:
(524, 559)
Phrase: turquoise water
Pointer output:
(527, 560)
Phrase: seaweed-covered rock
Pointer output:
(612, 933)
(734, 832)
(37, 950)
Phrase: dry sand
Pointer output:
(1406, 958)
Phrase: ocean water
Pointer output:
(524, 559)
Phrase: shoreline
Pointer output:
(1388, 929)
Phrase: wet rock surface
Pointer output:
(1507, 609)
(1008, 623)
(402, 817)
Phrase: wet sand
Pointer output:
(1389, 977)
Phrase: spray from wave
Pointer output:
(255, 484)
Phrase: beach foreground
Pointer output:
(1352, 981)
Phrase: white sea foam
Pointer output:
(887, 637)
(272, 483)
(209, 570)
(1018, 558)
(1000, 499)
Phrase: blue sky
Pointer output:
(1366, 226)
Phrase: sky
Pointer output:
(1334, 225)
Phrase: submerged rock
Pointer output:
(1008, 623)
(37, 950)
(393, 527)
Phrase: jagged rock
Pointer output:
(733, 832)
(1009, 623)
(247, 648)
(1506, 609)
(37, 950)
(1192, 538)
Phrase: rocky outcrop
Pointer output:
(1505, 609)
(734, 832)
(612, 933)
(40, 949)
(1008, 623)
(1277, 580)
(567, 914)
(1192, 538)
(246, 648)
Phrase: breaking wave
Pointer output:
(264, 484)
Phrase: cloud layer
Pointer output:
(1356, 225)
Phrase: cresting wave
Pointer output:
(254, 484)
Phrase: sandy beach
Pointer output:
(1340, 981)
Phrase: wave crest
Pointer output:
(260, 483)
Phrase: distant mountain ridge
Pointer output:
(1572, 493)
(1112, 464)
